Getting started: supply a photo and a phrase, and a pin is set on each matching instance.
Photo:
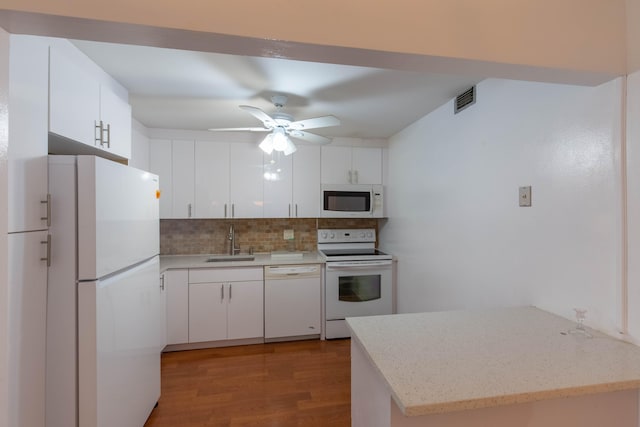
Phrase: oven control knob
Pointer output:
(362, 235)
(370, 234)
(323, 234)
(332, 236)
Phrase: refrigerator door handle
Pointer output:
(162, 282)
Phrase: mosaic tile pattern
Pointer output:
(209, 236)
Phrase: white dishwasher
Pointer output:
(292, 301)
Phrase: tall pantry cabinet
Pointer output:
(29, 243)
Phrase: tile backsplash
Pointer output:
(209, 236)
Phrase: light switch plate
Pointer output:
(525, 196)
(288, 235)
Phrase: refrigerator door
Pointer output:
(121, 333)
(118, 223)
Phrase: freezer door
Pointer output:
(118, 223)
(121, 333)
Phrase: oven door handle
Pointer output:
(350, 265)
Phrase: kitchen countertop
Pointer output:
(261, 259)
(457, 360)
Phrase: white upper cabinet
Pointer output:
(84, 106)
(183, 161)
(212, 180)
(115, 114)
(160, 163)
(292, 184)
(306, 182)
(246, 180)
(278, 184)
(351, 165)
(28, 133)
(74, 99)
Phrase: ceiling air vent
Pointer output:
(465, 99)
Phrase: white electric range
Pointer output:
(358, 279)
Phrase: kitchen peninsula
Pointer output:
(504, 367)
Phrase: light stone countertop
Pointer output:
(456, 360)
(261, 259)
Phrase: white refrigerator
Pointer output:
(105, 304)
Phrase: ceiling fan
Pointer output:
(282, 126)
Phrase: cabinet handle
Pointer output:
(189, 210)
(48, 217)
(289, 210)
(98, 135)
(350, 177)
(233, 210)
(225, 210)
(48, 243)
(162, 282)
(230, 290)
(296, 210)
(355, 173)
(108, 140)
(222, 292)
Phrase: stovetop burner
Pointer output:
(355, 252)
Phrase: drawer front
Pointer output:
(209, 275)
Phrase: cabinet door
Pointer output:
(160, 164)
(28, 133)
(367, 165)
(245, 312)
(115, 113)
(211, 180)
(292, 307)
(74, 99)
(207, 312)
(246, 187)
(27, 328)
(176, 284)
(306, 182)
(277, 178)
(336, 165)
(183, 176)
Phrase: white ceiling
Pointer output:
(177, 89)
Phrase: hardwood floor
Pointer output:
(303, 383)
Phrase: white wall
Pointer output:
(633, 202)
(455, 225)
(139, 146)
(4, 278)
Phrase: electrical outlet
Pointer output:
(525, 196)
(288, 235)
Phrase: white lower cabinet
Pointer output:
(27, 327)
(225, 304)
(176, 284)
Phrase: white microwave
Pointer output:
(351, 201)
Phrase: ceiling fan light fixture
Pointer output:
(267, 144)
(279, 139)
(290, 148)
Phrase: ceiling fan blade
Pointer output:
(260, 115)
(310, 137)
(317, 122)
(240, 130)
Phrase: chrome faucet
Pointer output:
(232, 239)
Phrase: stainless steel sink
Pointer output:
(227, 258)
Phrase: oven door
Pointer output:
(358, 288)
